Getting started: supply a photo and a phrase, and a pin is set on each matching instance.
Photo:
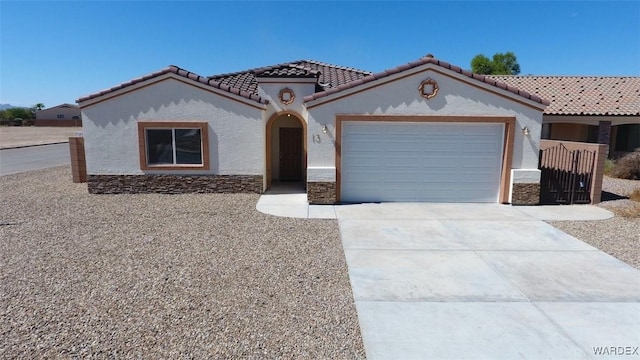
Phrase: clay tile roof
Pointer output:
(65, 105)
(287, 71)
(565, 95)
(183, 73)
(428, 59)
(582, 95)
(329, 76)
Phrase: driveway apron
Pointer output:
(483, 281)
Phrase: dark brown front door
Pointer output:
(290, 154)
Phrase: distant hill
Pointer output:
(6, 106)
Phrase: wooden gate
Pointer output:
(566, 175)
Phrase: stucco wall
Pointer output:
(569, 132)
(236, 131)
(401, 97)
(270, 91)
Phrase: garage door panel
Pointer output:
(390, 161)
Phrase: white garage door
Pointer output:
(432, 162)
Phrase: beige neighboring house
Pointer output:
(594, 109)
(61, 115)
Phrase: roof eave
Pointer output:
(168, 72)
(419, 66)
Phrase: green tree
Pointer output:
(506, 64)
(481, 64)
(22, 113)
(501, 64)
(39, 106)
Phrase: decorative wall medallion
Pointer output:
(428, 88)
(286, 96)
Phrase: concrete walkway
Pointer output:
(291, 201)
(482, 281)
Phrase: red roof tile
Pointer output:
(287, 71)
(582, 95)
(183, 73)
(329, 76)
(429, 59)
(565, 95)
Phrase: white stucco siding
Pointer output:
(401, 97)
(236, 134)
(271, 92)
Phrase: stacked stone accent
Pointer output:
(174, 184)
(525, 194)
(322, 193)
(604, 132)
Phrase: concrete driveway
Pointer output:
(471, 281)
(479, 281)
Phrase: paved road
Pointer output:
(13, 161)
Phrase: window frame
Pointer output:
(156, 125)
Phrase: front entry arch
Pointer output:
(286, 148)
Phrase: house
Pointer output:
(61, 115)
(423, 131)
(594, 109)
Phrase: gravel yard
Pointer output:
(166, 276)
(618, 236)
(189, 276)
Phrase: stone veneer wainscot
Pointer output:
(322, 193)
(174, 184)
(525, 194)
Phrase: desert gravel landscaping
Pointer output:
(190, 276)
(618, 236)
(166, 276)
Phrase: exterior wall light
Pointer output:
(525, 131)
(324, 129)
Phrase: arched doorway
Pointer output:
(286, 148)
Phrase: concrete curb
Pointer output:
(32, 145)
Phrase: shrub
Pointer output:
(630, 212)
(608, 166)
(635, 195)
(627, 167)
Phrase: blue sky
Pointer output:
(57, 51)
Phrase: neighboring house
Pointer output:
(595, 109)
(61, 115)
(423, 131)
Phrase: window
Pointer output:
(627, 137)
(60, 116)
(592, 134)
(546, 131)
(175, 145)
